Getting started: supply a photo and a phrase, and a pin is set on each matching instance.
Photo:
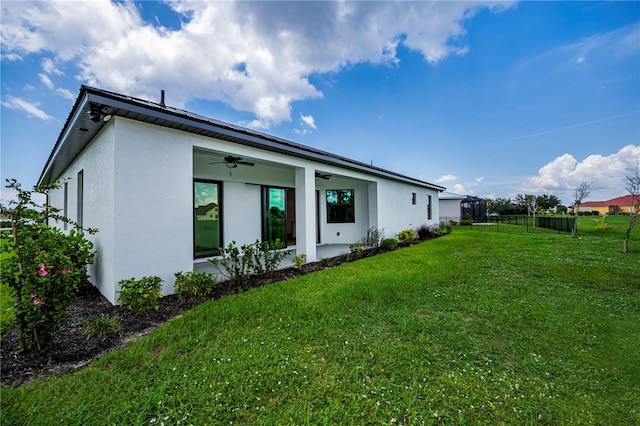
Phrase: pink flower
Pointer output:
(65, 271)
(43, 271)
(36, 299)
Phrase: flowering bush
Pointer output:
(44, 267)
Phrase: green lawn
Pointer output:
(472, 328)
(6, 300)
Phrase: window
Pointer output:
(428, 207)
(80, 200)
(340, 206)
(207, 214)
(274, 214)
(413, 198)
(65, 205)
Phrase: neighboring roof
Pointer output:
(594, 204)
(80, 129)
(626, 200)
(450, 196)
(200, 210)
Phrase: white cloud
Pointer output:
(67, 94)
(31, 109)
(480, 179)
(308, 124)
(459, 189)
(50, 68)
(46, 80)
(605, 173)
(309, 121)
(446, 178)
(253, 56)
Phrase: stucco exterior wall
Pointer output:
(396, 210)
(97, 164)
(153, 202)
(344, 233)
(138, 190)
(450, 209)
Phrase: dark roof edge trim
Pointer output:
(246, 136)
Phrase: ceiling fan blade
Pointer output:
(245, 163)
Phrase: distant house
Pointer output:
(450, 206)
(455, 206)
(620, 205)
(208, 212)
(168, 188)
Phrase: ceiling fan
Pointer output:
(323, 175)
(232, 162)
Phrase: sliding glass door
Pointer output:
(274, 214)
(207, 215)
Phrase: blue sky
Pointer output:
(486, 99)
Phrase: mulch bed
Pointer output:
(72, 349)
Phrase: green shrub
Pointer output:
(356, 250)
(467, 219)
(389, 244)
(602, 224)
(299, 260)
(101, 326)
(425, 231)
(406, 236)
(267, 256)
(193, 283)
(373, 239)
(140, 295)
(324, 262)
(44, 267)
(259, 258)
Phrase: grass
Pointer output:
(6, 300)
(472, 328)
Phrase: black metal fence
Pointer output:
(530, 224)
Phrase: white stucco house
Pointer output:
(450, 206)
(166, 188)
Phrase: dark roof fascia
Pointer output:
(73, 117)
(219, 130)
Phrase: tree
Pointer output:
(582, 191)
(633, 187)
(530, 202)
(548, 201)
(499, 205)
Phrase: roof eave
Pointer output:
(78, 131)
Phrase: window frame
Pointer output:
(220, 216)
(344, 208)
(65, 205)
(80, 199)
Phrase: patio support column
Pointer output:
(306, 212)
(373, 205)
